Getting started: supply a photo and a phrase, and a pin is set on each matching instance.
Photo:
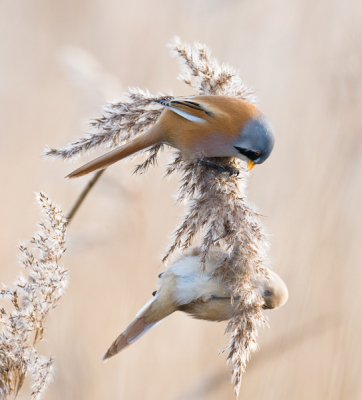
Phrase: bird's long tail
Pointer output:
(137, 328)
(151, 137)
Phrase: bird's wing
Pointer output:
(188, 108)
(137, 328)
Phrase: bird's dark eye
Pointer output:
(251, 155)
(268, 292)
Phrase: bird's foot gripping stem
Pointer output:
(219, 168)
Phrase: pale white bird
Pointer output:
(183, 287)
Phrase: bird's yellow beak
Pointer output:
(250, 165)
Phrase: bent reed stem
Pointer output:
(82, 196)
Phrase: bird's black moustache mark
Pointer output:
(251, 155)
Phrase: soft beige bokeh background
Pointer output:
(61, 60)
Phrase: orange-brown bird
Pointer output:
(183, 287)
(201, 126)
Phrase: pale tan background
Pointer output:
(304, 59)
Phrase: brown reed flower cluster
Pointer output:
(217, 206)
(32, 299)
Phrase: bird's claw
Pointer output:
(219, 168)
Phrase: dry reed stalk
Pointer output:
(33, 298)
(217, 205)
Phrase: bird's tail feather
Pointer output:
(137, 328)
(151, 137)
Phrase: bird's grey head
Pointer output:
(256, 140)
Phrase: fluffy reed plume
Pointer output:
(32, 299)
(119, 123)
(122, 120)
(217, 206)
